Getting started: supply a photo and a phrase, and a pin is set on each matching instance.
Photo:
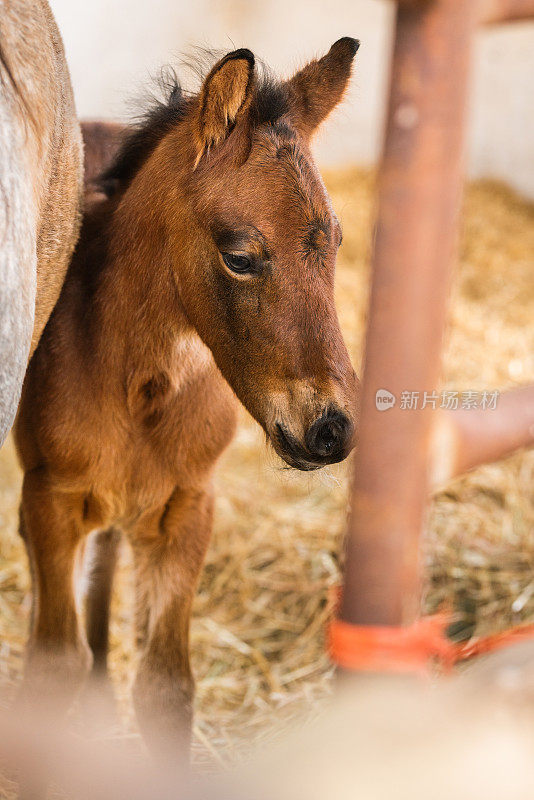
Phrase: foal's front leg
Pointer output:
(57, 658)
(168, 553)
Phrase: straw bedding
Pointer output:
(261, 609)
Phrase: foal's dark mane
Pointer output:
(269, 104)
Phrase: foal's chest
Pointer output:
(171, 436)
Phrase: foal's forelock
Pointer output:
(282, 144)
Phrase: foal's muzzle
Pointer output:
(328, 440)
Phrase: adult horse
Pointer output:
(40, 185)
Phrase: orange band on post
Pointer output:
(496, 641)
(414, 649)
(410, 649)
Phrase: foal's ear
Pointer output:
(317, 88)
(224, 97)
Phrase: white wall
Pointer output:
(114, 45)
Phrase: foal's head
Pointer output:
(252, 239)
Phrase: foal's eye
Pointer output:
(238, 263)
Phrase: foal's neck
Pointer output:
(140, 314)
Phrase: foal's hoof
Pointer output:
(53, 678)
(164, 714)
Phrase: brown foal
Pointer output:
(207, 269)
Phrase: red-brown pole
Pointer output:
(465, 439)
(497, 11)
(419, 195)
(101, 139)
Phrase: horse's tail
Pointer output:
(18, 214)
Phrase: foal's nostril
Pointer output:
(329, 436)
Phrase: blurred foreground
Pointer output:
(470, 737)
